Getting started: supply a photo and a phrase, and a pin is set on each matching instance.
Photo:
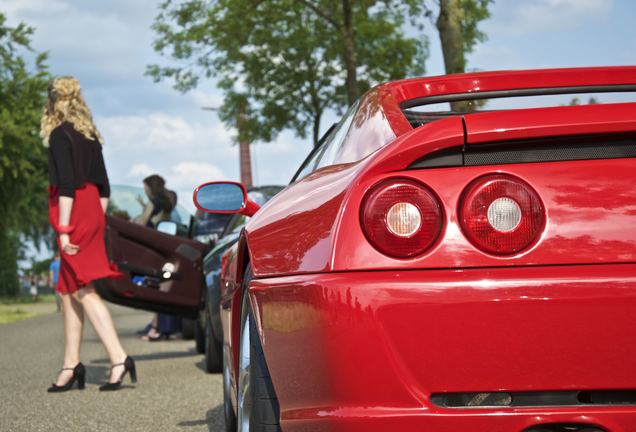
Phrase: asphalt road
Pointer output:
(173, 392)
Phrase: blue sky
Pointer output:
(151, 128)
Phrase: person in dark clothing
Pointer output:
(159, 206)
(79, 192)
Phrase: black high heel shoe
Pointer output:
(79, 375)
(129, 367)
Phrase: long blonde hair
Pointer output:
(65, 103)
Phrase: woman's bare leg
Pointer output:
(73, 326)
(100, 318)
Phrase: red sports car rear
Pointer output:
(453, 271)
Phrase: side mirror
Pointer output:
(168, 227)
(224, 197)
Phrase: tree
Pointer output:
(23, 167)
(290, 61)
(457, 25)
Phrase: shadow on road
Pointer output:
(154, 356)
(214, 420)
(97, 374)
(201, 365)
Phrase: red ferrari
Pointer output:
(458, 254)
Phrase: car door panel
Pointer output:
(161, 272)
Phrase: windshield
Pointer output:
(123, 203)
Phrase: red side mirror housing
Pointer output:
(224, 197)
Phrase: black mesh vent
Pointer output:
(534, 399)
(531, 151)
(548, 153)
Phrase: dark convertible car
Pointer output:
(166, 269)
(209, 336)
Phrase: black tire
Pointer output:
(187, 328)
(228, 409)
(199, 337)
(213, 350)
(265, 416)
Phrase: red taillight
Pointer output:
(501, 214)
(401, 218)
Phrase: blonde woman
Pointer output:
(79, 192)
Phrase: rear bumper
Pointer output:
(365, 350)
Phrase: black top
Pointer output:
(75, 160)
(157, 207)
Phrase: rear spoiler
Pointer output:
(398, 96)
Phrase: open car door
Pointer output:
(161, 272)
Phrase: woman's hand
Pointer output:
(66, 246)
(141, 201)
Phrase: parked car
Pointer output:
(463, 268)
(209, 333)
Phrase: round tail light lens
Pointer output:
(501, 214)
(401, 218)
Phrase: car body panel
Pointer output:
(344, 345)
(144, 252)
(511, 125)
(297, 234)
(302, 235)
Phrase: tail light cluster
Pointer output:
(498, 213)
(401, 218)
(501, 214)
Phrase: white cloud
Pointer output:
(140, 170)
(157, 131)
(160, 132)
(191, 174)
(206, 99)
(20, 7)
(280, 147)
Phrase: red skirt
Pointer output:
(87, 218)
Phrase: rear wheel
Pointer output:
(228, 409)
(258, 409)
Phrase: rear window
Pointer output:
(362, 131)
(430, 109)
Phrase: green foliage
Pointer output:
(41, 267)
(23, 166)
(475, 11)
(282, 63)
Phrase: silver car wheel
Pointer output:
(244, 396)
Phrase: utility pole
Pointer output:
(245, 158)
